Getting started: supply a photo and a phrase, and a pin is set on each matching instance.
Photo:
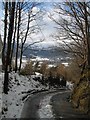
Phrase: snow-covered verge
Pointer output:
(1, 80)
(18, 89)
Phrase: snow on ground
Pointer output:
(66, 64)
(12, 103)
(50, 65)
(1, 80)
(19, 85)
(40, 59)
(45, 110)
(69, 85)
(38, 75)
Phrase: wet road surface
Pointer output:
(61, 107)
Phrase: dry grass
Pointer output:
(81, 96)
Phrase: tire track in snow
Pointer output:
(45, 110)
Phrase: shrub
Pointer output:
(28, 69)
(73, 72)
(43, 68)
(53, 72)
(36, 67)
(61, 70)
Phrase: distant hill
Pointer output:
(50, 53)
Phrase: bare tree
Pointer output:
(73, 25)
(24, 28)
(28, 29)
(16, 30)
(23, 42)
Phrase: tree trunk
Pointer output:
(6, 77)
(24, 41)
(10, 33)
(87, 27)
(19, 20)
(5, 35)
(14, 35)
(21, 57)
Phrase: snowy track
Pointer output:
(51, 105)
(20, 87)
(38, 105)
